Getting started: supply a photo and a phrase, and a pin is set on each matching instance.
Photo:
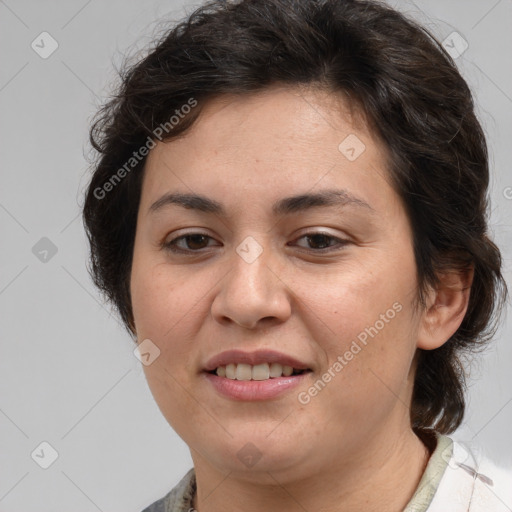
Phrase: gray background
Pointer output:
(68, 375)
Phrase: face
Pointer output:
(328, 280)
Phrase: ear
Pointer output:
(445, 309)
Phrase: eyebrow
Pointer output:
(282, 207)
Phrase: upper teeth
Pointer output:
(257, 372)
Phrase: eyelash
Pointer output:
(172, 247)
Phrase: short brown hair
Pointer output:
(411, 93)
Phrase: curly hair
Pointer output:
(413, 98)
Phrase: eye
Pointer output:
(318, 238)
(193, 243)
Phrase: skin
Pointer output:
(351, 447)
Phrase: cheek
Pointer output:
(167, 381)
(161, 300)
(164, 309)
(365, 322)
(164, 305)
(355, 296)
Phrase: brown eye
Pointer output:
(192, 242)
(323, 242)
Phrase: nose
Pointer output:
(252, 294)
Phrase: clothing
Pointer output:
(458, 478)
(455, 480)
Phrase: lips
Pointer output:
(253, 358)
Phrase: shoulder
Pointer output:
(179, 499)
(473, 482)
(157, 506)
(495, 489)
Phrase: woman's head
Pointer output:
(247, 104)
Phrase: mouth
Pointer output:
(259, 382)
(259, 372)
(259, 365)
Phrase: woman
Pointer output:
(289, 212)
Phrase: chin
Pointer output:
(253, 455)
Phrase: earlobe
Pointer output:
(445, 309)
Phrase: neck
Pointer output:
(384, 479)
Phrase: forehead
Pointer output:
(265, 119)
(267, 144)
